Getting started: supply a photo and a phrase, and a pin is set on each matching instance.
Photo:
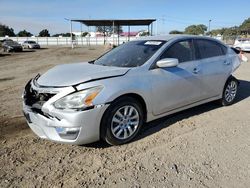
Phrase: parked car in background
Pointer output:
(11, 46)
(6, 40)
(137, 82)
(30, 44)
(242, 44)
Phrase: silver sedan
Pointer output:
(30, 44)
(142, 80)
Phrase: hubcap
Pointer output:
(125, 122)
(230, 91)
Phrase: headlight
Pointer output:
(78, 100)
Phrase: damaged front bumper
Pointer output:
(74, 127)
(66, 127)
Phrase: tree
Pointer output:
(245, 25)
(143, 33)
(5, 30)
(176, 32)
(84, 34)
(216, 32)
(24, 33)
(44, 33)
(231, 31)
(108, 29)
(196, 29)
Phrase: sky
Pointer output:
(34, 15)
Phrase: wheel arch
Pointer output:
(140, 99)
(229, 78)
(222, 100)
(232, 77)
(135, 96)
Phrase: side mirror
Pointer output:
(167, 62)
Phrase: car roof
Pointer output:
(173, 36)
(179, 37)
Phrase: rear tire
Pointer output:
(122, 121)
(230, 91)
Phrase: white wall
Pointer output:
(67, 41)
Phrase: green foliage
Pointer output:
(231, 31)
(144, 33)
(196, 29)
(245, 25)
(5, 30)
(24, 33)
(216, 32)
(109, 29)
(84, 34)
(176, 32)
(44, 33)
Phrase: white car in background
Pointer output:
(242, 44)
(30, 44)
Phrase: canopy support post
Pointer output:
(71, 36)
(151, 29)
(118, 32)
(113, 32)
(129, 33)
(148, 30)
(81, 32)
(104, 35)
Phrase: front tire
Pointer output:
(230, 91)
(122, 121)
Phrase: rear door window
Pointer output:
(208, 49)
(182, 50)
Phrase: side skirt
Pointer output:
(152, 117)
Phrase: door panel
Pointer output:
(174, 87)
(213, 75)
(214, 67)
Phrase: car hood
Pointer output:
(73, 74)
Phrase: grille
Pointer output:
(33, 98)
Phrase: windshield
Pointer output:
(31, 42)
(130, 54)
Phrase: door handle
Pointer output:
(226, 62)
(196, 70)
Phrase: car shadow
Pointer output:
(162, 123)
(27, 50)
(2, 55)
(244, 90)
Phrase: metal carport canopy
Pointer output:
(116, 22)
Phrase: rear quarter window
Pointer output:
(208, 49)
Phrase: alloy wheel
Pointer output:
(125, 122)
(231, 91)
